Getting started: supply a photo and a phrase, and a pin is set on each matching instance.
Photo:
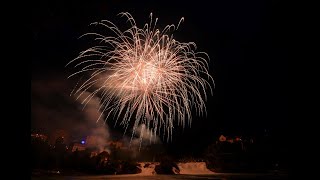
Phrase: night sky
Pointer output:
(246, 42)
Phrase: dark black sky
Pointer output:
(246, 41)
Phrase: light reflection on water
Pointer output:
(219, 176)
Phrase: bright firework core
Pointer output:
(145, 76)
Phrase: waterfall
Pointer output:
(194, 168)
(147, 168)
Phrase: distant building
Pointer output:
(78, 146)
(116, 144)
(95, 141)
(95, 144)
(41, 137)
(230, 140)
(222, 138)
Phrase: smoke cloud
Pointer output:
(53, 108)
(95, 120)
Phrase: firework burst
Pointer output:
(144, 76)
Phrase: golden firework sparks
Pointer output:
(145, 75)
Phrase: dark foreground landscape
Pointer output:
(243, 135)
(217, 176)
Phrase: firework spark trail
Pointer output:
(144, 74)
